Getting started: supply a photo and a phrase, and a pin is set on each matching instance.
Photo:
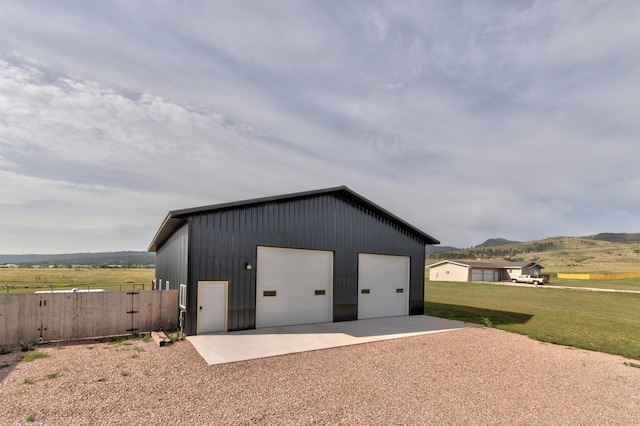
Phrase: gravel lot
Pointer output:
(466, 377)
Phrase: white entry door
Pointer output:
(383, 286)
(212, 306)
(293, 286)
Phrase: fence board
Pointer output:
(68, 316)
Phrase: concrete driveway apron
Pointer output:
(221, 348)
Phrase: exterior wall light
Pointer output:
(248, 266)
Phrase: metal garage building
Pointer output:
(318, 256)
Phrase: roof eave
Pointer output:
(169, 226)
(442, 262)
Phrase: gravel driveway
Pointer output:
(467, 377)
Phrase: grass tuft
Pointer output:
(32, 356)
(26, 347)
(487, 322)
(31, 418)
(174, 337)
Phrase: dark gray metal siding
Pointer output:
(172, 259)
(222, 241)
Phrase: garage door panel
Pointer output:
(385, 281)
(286, 279)
(295, 276)
(383, 266)
(298, 312)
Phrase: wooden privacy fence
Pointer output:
(50, 317)
(620, 276)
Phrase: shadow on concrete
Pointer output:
(474, 315)
(364, 328)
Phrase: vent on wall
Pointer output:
(269, 293)
(365, 291)
(320, 292)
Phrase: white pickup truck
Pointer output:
(528, 279)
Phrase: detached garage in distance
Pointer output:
(319, 256)
(450, 270)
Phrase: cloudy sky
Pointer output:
(468, 119)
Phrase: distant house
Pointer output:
(450, 270)
(9, 265)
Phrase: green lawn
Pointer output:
(604, 322)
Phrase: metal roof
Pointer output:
(499, 265)
(177, 218)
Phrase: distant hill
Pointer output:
(119, 258)
(560, 254)
(616, 238)
(496, 242)
(438, 249)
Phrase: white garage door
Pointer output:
(293, 286)
(476, 275)
(487, 275)
(383, 286)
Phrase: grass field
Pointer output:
(28, 280)
(604, 322)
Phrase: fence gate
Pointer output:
(44, 313)
(132, 313)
